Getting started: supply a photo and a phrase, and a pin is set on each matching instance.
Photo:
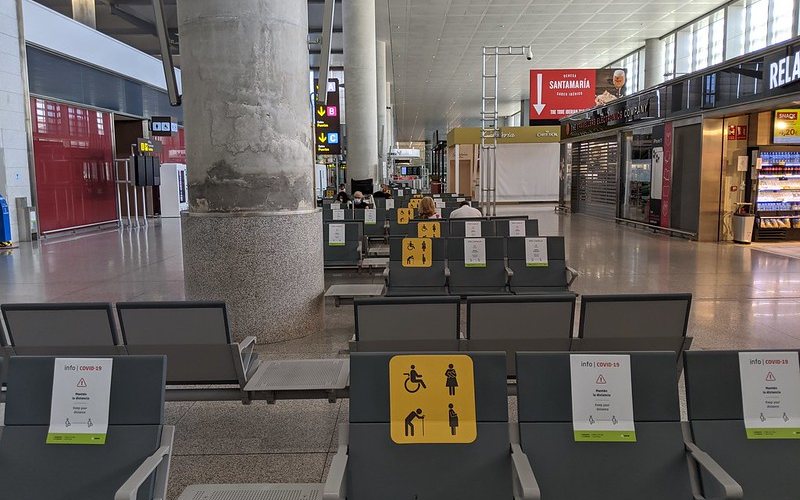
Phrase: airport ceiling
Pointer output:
(435, 63)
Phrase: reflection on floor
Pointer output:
(744, 297)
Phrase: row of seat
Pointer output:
(524, 323)
(506, 269)
(537, 457)
(357, 233)
(204, 362)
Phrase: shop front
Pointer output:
(695, 155)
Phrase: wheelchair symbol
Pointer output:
(413, 381)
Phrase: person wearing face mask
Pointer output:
(359, 201)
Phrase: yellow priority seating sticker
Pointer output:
(432, 399)
(429, 230)
(417, 252)
(414, 203)
(404, 215)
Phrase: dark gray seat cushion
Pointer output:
(381, 469)
(33, 470)
(653, 468)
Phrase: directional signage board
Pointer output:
(432, 399)
(558, 93)
(327, 130)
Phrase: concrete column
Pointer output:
(83, 11)
(15, 180)
(390, 139)
(253, 234)
(358, 18)
(654, 53)
(381, 87)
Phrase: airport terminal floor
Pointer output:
(744, 297)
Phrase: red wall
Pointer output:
(74, 165)
(174, 148)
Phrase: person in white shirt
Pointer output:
(465, 212)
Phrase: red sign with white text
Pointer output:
(558, 93)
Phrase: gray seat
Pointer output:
(369, 465)
(556, 277)
(458, 227)
(70, 329)
(764, 467)
(416, 281)
(347, 255)
(634, 322)
(196, 339)
(658, 466)
(529, 323)
(531, 227)
(328, 215)
(387, 324)
(399, 230)
(132, 464)
(489, 280)
(377, 230)
(414, 228)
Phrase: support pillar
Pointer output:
(654, 53)
(252, 236)
(382, 127)
(83, 11)
(358, 18)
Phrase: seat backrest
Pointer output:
(61, 329)
(407, 323)
(554, 276)
(653, 467)
(194, 336)
(523, 317)
(614, 322)
(330, 214)
(136, 415)
(415, 231)
(432, 276)
(380, 468)
(492, 275)
(714, 406)
(458, 228)
(380, 215)
(530, 227)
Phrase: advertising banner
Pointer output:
(787, 126)
(558, 93)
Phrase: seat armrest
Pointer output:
(525, 485)
(447, 271)
(509, 274)
(335, 487)
(130, 489)
(732, 489)
(386, 274)
(572, 275)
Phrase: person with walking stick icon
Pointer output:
(410, 422)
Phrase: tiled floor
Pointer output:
(744, 297)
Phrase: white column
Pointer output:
(654, 53)
(380, 83)
(83, 11)
(358, 18)
(455, 174)
(14, 166)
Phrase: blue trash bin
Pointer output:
(5, 221)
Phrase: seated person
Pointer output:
(342, 196)
(465, 211)
(359, 201)
(385, 192)
(427, 209)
